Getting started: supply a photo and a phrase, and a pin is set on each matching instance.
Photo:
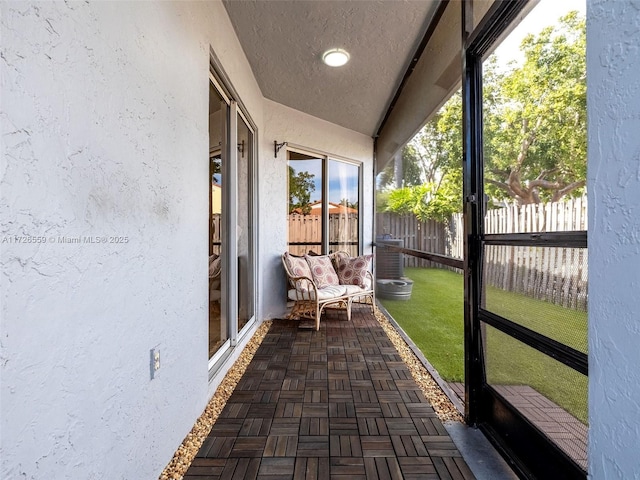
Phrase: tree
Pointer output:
(347, 203)
(412, 164)
(433, 148)
(435, 152)
(535, 118)
(300, 187)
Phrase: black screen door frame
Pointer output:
(528, 450)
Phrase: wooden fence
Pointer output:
(430, 236)
(216, 229)
(567, 216)
(305, 233)
(556, 275)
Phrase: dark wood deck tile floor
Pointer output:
(334, 404)
(569, 433)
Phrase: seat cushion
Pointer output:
(353, 289)
(322, 271)
(325, 293)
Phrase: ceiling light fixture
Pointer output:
(336, 57)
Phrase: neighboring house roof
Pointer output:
(316, 209)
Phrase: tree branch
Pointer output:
(498, 173)
(544, 173)
(527, 140)
(535, 196)
(568, 189)
(544, 184)
(502, 185)
(516, 185)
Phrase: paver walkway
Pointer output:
(334, 404)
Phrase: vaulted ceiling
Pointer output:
(284, 41)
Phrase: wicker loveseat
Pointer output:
(336, 280)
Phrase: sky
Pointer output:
(343, 179)
(546, 13)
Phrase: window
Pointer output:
(324, 200)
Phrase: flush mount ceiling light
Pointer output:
(336, 57)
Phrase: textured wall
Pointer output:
(287, 125)
(613, 64)
(104, 114)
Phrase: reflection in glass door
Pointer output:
(218, 126)
(244, 229)
(231, 233)
(344, 207)
(306, 209)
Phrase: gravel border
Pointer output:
(443, 407)
(190, 446)
(444, 386)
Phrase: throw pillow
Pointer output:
(214, 265)
(298, 267)
(322, 271)
(353, 270)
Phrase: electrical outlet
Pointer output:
(155, 362)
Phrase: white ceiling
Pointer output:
(284, 41)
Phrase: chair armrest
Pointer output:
(371, 279)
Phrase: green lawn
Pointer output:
(433, 318)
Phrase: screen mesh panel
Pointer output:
(552, 396)
(541, 288)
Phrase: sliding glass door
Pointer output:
(232, 239)
(244, 229)
(324, 204)
(218, 161)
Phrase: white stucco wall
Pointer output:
(288, 125)
(104, 116)
(613, 67)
